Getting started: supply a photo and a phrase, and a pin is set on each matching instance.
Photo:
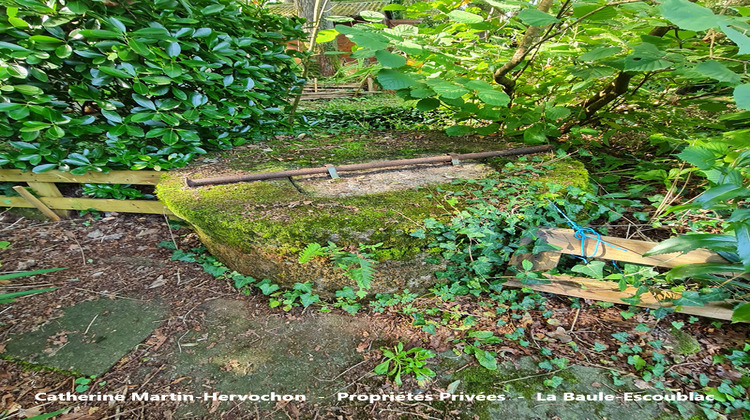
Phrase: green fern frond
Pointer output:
(364, 274)
(312, 250)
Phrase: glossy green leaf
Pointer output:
(202, 32)
(157, 80)
(459, 130)
(646, 57)
(535, 17)
(64, 51)
(44, 39)
(427, 104)
(461, 16)
(18, 23)
(152, 33)
(78, 7)
(140, 48)
(742, 96)
(717, 71)
(372, 16)
(394, 79)
(742, 232)
(173, 70)
(170, 138)
(494, 97)
(174, 49)
(8, 106)
(19, 72)
(213, 9)
(586, 10)
(741, 313)
(44, 168)
(447, 89)
(111, 116)
(688, 15)
(111, 71)
(486, 359)
(702, 271)
(326, 35)
(742, 40)
(594, 269)
(28, 90)
(99, 34)
(389, 59)
(600, 52)
(701, 157)
(719, 193)
(684, 243)
(144, 102)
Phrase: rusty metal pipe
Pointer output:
(361, 166)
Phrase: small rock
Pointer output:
(113, 237)
(25, 265)
(146, 232)
(159, 282)
(97, 274)
(641, 384)
(560, 335)
(95, 234)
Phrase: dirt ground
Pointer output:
(119, 257)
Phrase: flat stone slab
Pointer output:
(90, 337)
(527, 397)
(376, 181)
(236, 352)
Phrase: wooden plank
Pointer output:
(632, 250)
(541, 261)
(36, 203)
(323, 95)
(112, 177)
(607, 291)
(48, 189)
(101, 204)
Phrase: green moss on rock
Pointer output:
(259, 228)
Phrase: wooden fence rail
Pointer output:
(608, 291)
(315, 90)
(52, 203)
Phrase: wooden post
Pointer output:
(36, 203)
(315, 85)
(48, 189)
(370, 84)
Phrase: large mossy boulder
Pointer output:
(259, 228)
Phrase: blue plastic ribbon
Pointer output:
(584, 233)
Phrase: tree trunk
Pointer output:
(529, 38)
(306, 9)
(618, 86)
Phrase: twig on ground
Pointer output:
(90, 324)
(573, 325)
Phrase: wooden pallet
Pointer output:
(50, 201)
(608, 291)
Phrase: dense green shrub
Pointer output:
(91, 85)
(380, 118)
